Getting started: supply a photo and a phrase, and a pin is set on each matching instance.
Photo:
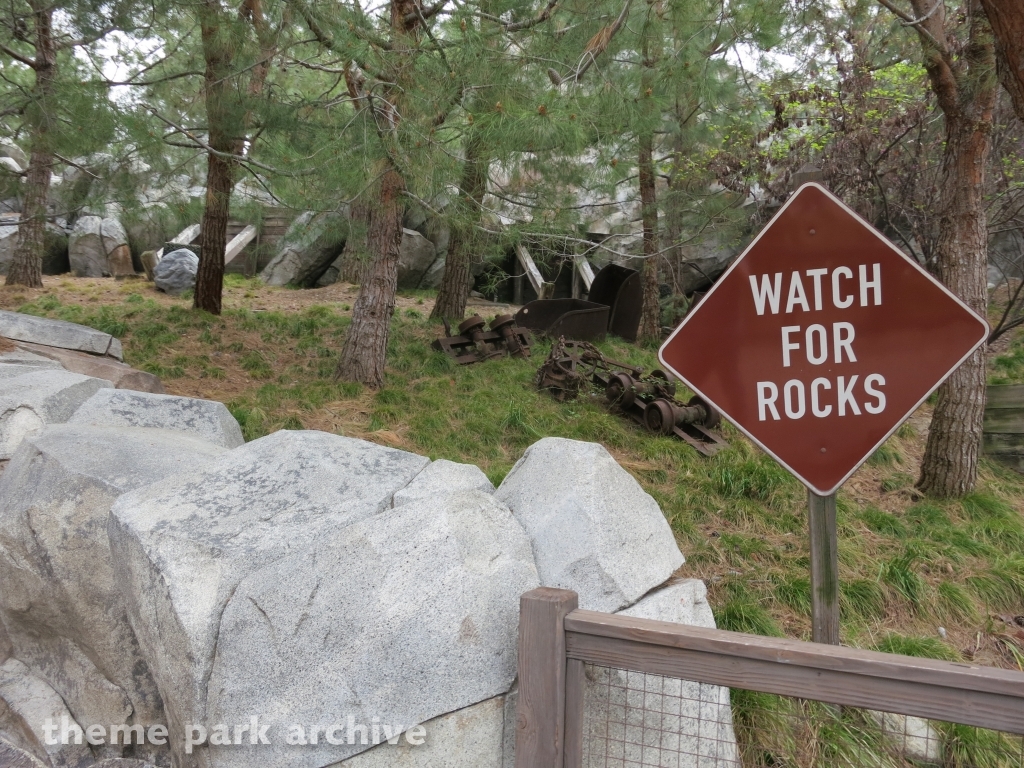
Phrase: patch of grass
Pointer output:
(885, 456)
(921, 647)
(899, 574)
(883, 523)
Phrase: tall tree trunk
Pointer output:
(1007, 19)
(950, 464)
(356, 255)
(457, 279)
(650, 326)
(366, 344)
(27, 263)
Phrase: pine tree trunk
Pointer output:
(365, 350)
(1007, 19)
(950, 464)
(27, 263)
(650, 328)
(457, 279)
(356, 254)
(213, 234)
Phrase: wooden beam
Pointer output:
(821, 520)
(940, 690)
(543, 290)
(540, 708)
(238, 242)
(585, 270)
(186, 236)
(575, 688)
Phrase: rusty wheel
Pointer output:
(714, 417)
(466, 327)
(619, 391)
(660, 417)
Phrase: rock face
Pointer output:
(120, 375)
(690, 727)
(206, 419)
(58, 333)
(176, 272)
(416, 257)
(31, 401)
(55, 249)
(98, 247)
(593, 528)
(26, 703)
(469, 738)
(61, 601)
(308, 249)
(440, 478)
(464, 555)
(184, 546)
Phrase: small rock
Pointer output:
(912, 737)
(206, 419)
(176, 272)
(149, 262)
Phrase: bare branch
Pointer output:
(17, 56)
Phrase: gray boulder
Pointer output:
(415, 258)
(12, 757)
(55, 249)
(594, 530)
(58, 333)
(15, 153)
(434, 274)
(26, 704)
(441, 478)
(98, 247)
(61, 601)
(308, 249)
(469, 738)
(704, 263)
(176, 272)
(349, 612)
(10, 168)
(206, 419)
(692, 725)
(183, 546)
(120, 375)
(31, 401)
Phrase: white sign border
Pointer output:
(901, 420)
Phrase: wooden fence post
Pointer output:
(821, 518)
(540, 710)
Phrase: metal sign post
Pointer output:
(817, 343)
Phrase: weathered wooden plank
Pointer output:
(963, 693)
(821, 518)
(1000, 443)
(1005, 420)
(186, 236)
(238, 242)
(543, 290)
(540, 708)
(575, 686)
(585, 270)
(1005, 396)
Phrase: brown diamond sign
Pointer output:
(821, 339)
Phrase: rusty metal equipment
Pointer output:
(575, 367)
(614, 306)
(473, 344)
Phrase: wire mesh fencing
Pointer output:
(637, 720)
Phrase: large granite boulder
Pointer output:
(430, 592)
(15, 153)
(443, 477)
(61, 600)
(26, 704)
(46, 396)
(58, 333)
(176, 272)
(206, 419)
(415, 258)
(308, 249)
(98, 247)
(691, 724)
(594, 530)
(184, 546)
(101, 367)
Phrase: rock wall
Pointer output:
(155, 572)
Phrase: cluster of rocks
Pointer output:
(319, 249)
(157, 572)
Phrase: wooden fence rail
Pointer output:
(556, 639)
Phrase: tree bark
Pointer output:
(366, 344)
(950, 464)
(356, 254)
(650, 325)
(457, 279)
(1007, 20)
(27, 263)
